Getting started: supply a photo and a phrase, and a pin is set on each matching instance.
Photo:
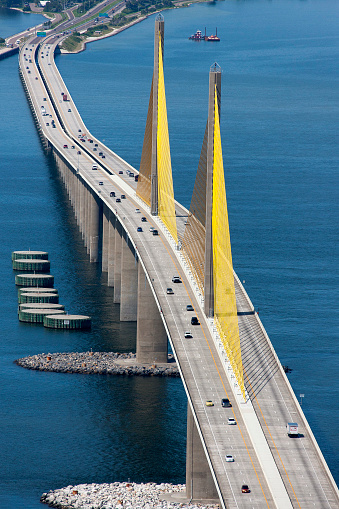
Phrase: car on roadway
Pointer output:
(103, 156)
(155, 232)
(95, 149)
(121, 172)
(143, 219)
(90, 141)
(245, 489)
(225, 402)
(137, 211)
(189, 307)
(69, 110)
(169, 291)
(79, 153)
(79, 130)
(194, 320)
(231, 421)
(123, 197)
(47, 123)
(95, 144)
(229, 458)
(100, 153)
(65, 146)
(151, 228)
(139, 229)
(209, 403)
(72, 146)
(176, 279)
(188, 335)
(101, 183)
(118, 200)
(112, 193)
(94, 167)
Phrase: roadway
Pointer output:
(272, 464)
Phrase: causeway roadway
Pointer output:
(281, 472)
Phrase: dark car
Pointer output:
(143, 219)
(155, 232)
(121, 172)
(123, 197)
(189, 307)
(139, 229)
(194, 320)
(245, 489)
(112, 193)
(225, 403)
(118, 200)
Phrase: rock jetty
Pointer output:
(102, 363)
(122, 496)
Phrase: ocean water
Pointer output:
(279, 124)
(13, 21)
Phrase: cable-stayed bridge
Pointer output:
(229, 354)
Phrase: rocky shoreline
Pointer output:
(122, 496)
(99, 363)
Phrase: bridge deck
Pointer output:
(202, 363)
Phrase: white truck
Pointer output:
(292, 429)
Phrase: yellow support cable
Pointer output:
(166, 207)
(225, 308)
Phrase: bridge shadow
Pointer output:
(258, 360)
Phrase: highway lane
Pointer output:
(161, 271)
(198, 360)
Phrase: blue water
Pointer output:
(13, 21)
(280, 105)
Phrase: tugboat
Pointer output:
(197, 36)
(213, 38)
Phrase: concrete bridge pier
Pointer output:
(129, 282)
(200, 485)
(111, 249)
(152, 343)
(87, 216)
(82, 208)
(93, 224)
(117, 261)
(105, 238)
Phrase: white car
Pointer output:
(229, 458)
(151, 228)
(137, 211)
(231, 421)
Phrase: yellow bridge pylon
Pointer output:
(155, 184)
(206, 243)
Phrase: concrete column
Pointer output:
(111, 249)
(94, 229)
(82, 207)
(152, 344)
(105, 238)
(87, 215)
(117, 262)
(199, 481)
(129, 283)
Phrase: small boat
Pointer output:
(197, 36)
(213, 38)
